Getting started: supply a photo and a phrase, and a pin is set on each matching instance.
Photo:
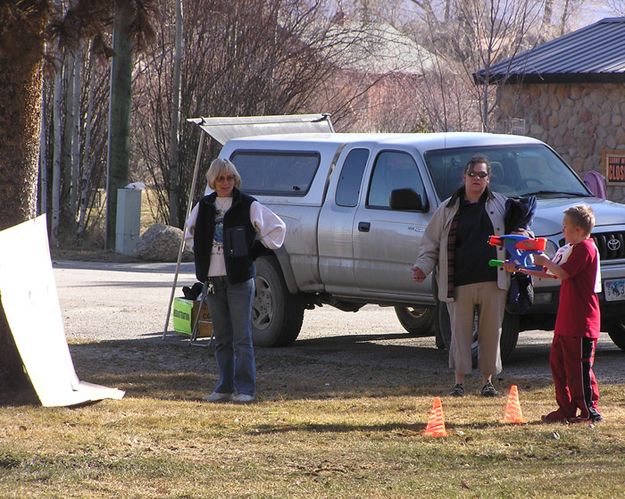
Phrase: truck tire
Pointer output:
(417, 320)
(616, 332)
(277, 314)
(507, 343)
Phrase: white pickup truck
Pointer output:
(347, 245)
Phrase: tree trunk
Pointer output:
(119, 115)
(69, 68)
(43, 153)
(85, 184)
(564, 18)
(174, 140)
(548, 12)
(75, 133)
(20, 101)
(55, 222)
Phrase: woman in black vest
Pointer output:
(227, 230)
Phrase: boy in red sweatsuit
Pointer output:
(578, 320)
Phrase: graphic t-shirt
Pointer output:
(578, 310)
(218, 263)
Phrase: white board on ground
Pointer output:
(31, 305)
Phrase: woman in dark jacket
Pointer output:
(226, 230)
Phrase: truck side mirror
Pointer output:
(406, 199)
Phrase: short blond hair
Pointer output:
(221, 166)
(582, 216)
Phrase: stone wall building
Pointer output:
(570, 93)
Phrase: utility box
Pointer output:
(128, 221)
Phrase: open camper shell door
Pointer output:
(224, 129)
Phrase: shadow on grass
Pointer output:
(398, 428)
(347, 366)
(407, 429)
(410, 428)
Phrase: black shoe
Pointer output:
(594, 418)
(457, 390)
(594, 415)
(488, 390)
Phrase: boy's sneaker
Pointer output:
(596, 418)
(555, 417)
(593, 417)
(581, 420)
(242, 398)
(488, 390)
(218, 397)
(457, 390)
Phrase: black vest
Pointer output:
(240, 243)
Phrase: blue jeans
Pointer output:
(231, 312)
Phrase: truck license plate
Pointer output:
(614, 289)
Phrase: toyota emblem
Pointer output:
(614, 244)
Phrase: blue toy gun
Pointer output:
(520, 248)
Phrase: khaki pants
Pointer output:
(492, 303)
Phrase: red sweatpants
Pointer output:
(571, 360)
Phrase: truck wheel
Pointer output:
(616, 331)
(277, 315)
(507, 343)
(417, 320)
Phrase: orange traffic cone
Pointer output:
(513, 413)
(436, 422)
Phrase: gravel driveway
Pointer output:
(128, 301)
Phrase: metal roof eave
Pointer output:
(592, 54)
(519, 78)
(223, 129)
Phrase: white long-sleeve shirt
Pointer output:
(269, 227)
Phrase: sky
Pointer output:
(592, 11)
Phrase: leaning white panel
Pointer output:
(31, 304)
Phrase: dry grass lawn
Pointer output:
(318, 430)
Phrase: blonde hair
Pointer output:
(222, 166)
(582, 216)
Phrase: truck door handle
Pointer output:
(364, 226)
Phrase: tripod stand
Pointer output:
(206, 290)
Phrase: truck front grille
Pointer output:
(611, 245)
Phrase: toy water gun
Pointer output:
(520, 248)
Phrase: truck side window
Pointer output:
(348, 186)
(393, 170)
(281, 173)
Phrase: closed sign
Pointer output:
(614, 166)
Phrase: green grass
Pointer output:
(302, 439)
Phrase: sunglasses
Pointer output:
(477, 174)
(227, 178)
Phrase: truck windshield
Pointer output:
(516, 170)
